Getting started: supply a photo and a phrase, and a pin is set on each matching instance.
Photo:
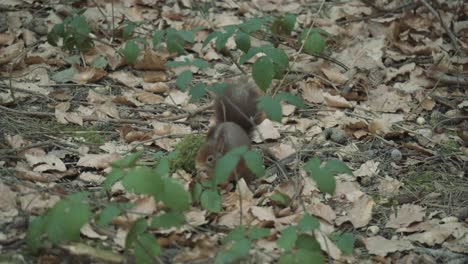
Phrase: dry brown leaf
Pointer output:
(151, 61)
(266, 130)
(381, 246)
(440, 233)
(97, 161)
(406, 215)
(281, 150)
(44, 163)
(369, 169)
(88, 75)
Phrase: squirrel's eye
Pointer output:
(210, 158)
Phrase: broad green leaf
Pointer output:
(308, 242)
(263, 72)
(210, 37)
(127, 161)
(197, 92)
(287, 258)
(100, 62)
(66, 218)
(147, 249)
(196, 191)
(128, 29)
(288, 238)
(143, 180)
(75, 59)
(289, 21)
(325, 179)
(64, 75)
(304, 256)
(221, 40)
(138, 228)
(292, 99)
(55, 34)
(278, 57)
(175, 42)
(158, 37)
(175, 64)
(218, 87)
(241, 248)
(112, 177)
(243, 41)
(308, 223)
(254, 162)
(175, 196)
(315, 44)
(235, 235)
(280, 198)
(252, 25)
(271, 107)
(201, 64)
(225, 166)
(184, 79)
(130, 52)
(169, 219)
(257, 233)
(345, 242)
(107, 214)
(211, 201)
(188, 36)
(162, 169)
(35, 232)
(336, 167)
(247, 56)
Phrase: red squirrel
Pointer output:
(236, 115)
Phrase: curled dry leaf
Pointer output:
(281, 151)
(88, 75)
(265, 131)
(151, 61)
(45, 163)
(336, 101)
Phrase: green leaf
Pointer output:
(308, 223)
(35, 231)
(66, 218)
(289, 21)
(222, 39)
(257, 233)
(128, 161)
(169, 219)
(100, 62)
(112, 177)
(292, 99)
(197, 92)
(130, 52)
(271, 107)
(64, 75)
(323, 177)
(254, 162)
(252, 25)
(345, 242)
(241, 248)
(263, 72)
(225, 166)
(175, 42)
(128, 29)
(107, 214)
(158, 37)
(280, 198)
(278, 57)
(175, 196)
(336, 167)
(304, 256)
(55, 34)
(201, 64)
(197, 190)
(210, 37)
(143, 180)
(235, 235)
(163, 167)
(184, 79)
(308, 242)
(73, 59)
(247, 56)
(188, 36)
(288, 238)
(243, 41)
(287, 258)
(147, 249)
(211, 201)
(138, 228)
(315, 44)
